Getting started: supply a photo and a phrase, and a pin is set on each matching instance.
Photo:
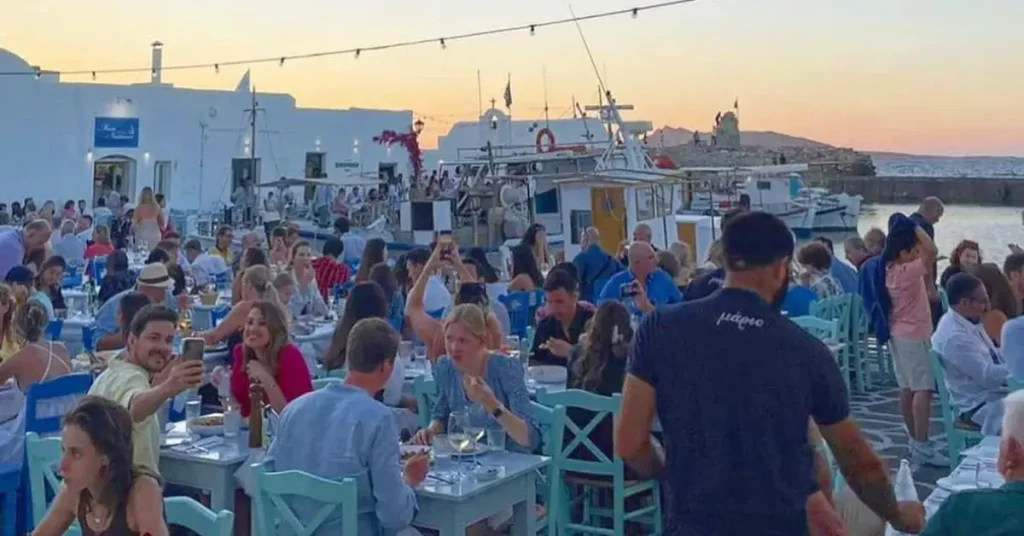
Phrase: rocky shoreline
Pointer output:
(827, 161)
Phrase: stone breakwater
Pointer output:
(954, 190)
(827, 160)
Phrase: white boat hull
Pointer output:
(842, 215)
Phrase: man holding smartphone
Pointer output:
(147, 377)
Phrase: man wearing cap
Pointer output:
(153, 282)
(16, 244)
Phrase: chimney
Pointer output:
(158, 63)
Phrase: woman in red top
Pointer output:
(266, 356)
(101, 246)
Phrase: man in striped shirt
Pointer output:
(330, 272)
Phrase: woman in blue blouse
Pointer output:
(471, 375)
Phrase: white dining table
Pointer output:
(209, 468)
(976, 471)
(449, 505)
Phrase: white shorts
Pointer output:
(912, 361)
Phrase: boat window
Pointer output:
(579, 220)
(764, 185)
(645, 203)
(663, 198)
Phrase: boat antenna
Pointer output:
(544, 75)
(586, 46)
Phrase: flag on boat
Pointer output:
(508, 93)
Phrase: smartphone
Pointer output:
(192, 349)
(627, 290)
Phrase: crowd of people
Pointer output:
(746, 400)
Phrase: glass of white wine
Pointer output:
(459, 437)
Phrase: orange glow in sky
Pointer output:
(916, 76)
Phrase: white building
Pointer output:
(513, 136)
(66, 141)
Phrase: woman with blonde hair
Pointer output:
(8, 342)
(256, 286)
(38, 360)
(670, 263)
(267, 356)
(148, 220)
(685, 256)
(488, 386)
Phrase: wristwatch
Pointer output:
(498, 412)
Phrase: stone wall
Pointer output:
(953, 190)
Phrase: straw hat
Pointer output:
(154, 275)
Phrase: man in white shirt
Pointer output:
(102, 215)
(354, 244)
(83, 229)
(975, 371)
(69, 245)
(436, 297)
(204, 267)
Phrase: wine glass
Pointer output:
(458, 436)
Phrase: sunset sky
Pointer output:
(917, 76)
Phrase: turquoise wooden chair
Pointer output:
(603, 474)
(425, 390)
(521, 309)
(820, 328)
(320, 383)
(958, 435)
(272, 511)
(43, 456)
(186, 512)
(547, 417)
(843, 309)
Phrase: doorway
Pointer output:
(387, 172)
(162, 179)
(608, 210)
(113, 173)
(314, 170)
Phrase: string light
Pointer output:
(532, 28)
(281, 64)
(94, 76)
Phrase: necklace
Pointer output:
(95, 517)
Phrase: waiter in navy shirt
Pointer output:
(735, 384)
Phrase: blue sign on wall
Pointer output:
(116, 132)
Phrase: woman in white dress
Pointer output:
(148, 220)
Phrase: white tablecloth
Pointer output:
(976, 471)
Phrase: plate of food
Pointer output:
(207, 425)
(548, 374)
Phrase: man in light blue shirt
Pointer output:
(69, 245)
(341, 432)
(354, 244)
(656, 286)
(16, 243)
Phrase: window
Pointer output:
(645, 203)
(579, 220)
(162, 178)
(764, 185)
(663, 198)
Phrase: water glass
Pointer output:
(193, 407)
(496, 439)
(512, 342)
(405, 350)
(458, 436)
(232, 422)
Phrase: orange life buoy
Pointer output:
(541, 135)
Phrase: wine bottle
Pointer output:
(255, 416)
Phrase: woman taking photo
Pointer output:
(472, 376)
(103, 490)
(525, 274)
(375, 253)
(429, 329)
(9, 344)
(307, 299)
(38, 360)
(256, 286)
(266, 356)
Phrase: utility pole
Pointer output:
(246, 216)
(202, 159)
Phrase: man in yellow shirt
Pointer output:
(147, 377)
(222, 247)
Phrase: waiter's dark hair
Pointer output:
(755, 240)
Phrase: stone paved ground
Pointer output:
(878, 414)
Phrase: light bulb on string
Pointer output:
(94, 76)
(443, 46)
(216, 68)
(533, 30)
(635, 12)
(281, 63)
(357, 53)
